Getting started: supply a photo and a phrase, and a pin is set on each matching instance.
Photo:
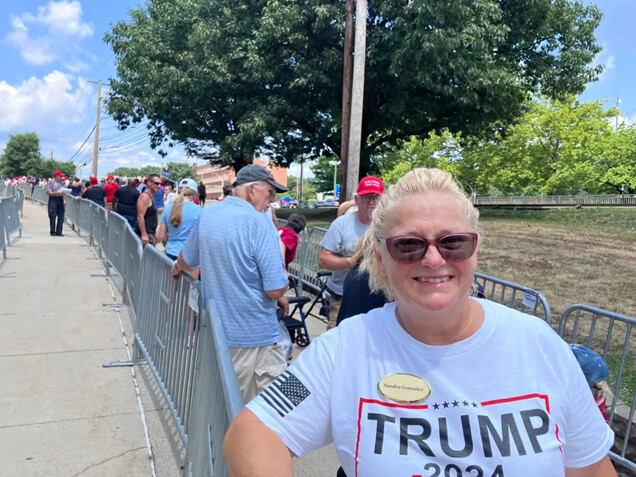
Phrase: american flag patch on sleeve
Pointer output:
(285, 393)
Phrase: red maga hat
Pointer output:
(57, 173)
(370, 185)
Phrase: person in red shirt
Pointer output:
(110, 188)
(289, 236)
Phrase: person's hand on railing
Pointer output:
(145, 240)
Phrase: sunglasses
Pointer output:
(157, 183)
(411, 248)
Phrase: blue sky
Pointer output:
(50, 50)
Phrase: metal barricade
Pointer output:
(85, 213)
(609, 334)
(307, 257)
(217, 400)
(39, 195)
(3, 242)
(19, 195)
(514, 296)
(132, 252)
(11, 218)
(71, 211)
(167, 332)
(115, 243)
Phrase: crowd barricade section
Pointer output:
(216, 402)
(132, 251)
(167, 332)
(610, 335)
(3, 241)
(71, 211)
(115, 244)
(305, 265)
(11, 218)
(514, 296)
(84, 219)
(19, 195)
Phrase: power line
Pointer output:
(85, 141)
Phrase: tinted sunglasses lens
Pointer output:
(456, 248)
(408, 249)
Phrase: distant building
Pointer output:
(214, 177)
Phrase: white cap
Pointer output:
(189, 183)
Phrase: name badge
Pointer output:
(402, 387)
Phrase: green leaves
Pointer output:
(22, 156)
(232, 79)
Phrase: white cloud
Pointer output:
(46, 105)
(56, 25)
(604, 58)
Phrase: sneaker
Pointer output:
(60, 235)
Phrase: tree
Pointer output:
(22, 155)
(180, 170)
(126, 172)
(232, 79)
(293, 184)
(323, 170)
(49, 166)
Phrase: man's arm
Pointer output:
(331, 261)
(142, 206)
(602, 468)
(179, 266)
(252, 449)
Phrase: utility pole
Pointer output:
(96, 144)
(347, 72)
(357, 98)
(300, 196)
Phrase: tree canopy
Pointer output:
(232, 79)
(557, 147)
(22, 156)
(177, 170)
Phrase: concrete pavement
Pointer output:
(61, 412)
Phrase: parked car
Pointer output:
(327, 203)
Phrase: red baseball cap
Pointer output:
(57, 173)
(110, 177)
(370, 185)
(94, 180)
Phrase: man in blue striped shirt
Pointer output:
(242, 272)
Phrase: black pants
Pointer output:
(202, 199)
(56, 211)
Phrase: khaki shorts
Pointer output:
(334, 307)
(256, 368)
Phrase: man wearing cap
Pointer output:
(95, 193)
(110, 188)
(55, 190)
(242, 271)
(339, 243)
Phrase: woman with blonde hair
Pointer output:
(435, 383)
(178, 219)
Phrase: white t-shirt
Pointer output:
(510, 400)
(341, 238)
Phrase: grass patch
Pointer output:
(320, 217)
(604, 217)
(628, 381)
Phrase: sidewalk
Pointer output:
(61, 412)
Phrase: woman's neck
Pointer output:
(444, 327)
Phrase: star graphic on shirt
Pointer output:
(455, 403)
(465, 403)
(445, 405)
(435, 406)
(474, 404)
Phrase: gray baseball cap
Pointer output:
(253, 173)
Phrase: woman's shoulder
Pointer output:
(511, 321)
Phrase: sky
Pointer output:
(51, 51)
